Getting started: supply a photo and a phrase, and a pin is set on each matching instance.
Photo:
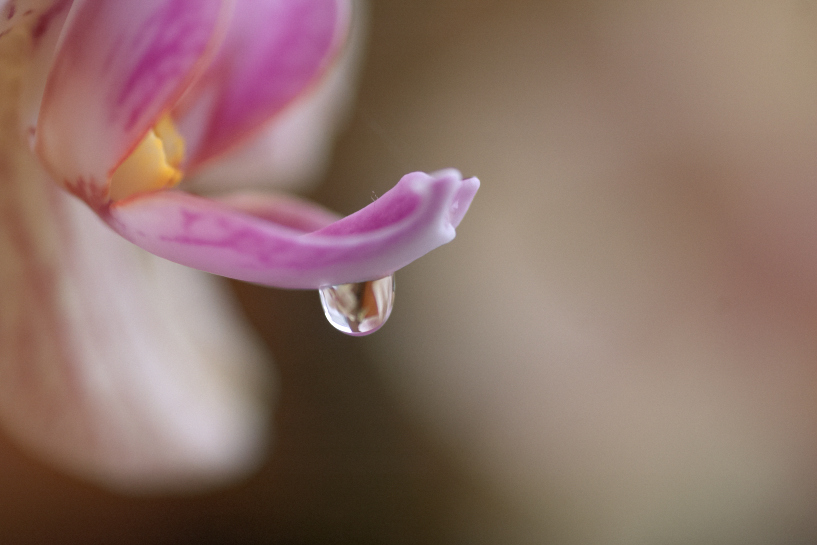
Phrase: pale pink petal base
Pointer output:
(116, 365)
(419, 214)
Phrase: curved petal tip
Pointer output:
(462, 198)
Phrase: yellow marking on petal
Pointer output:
(153, 165)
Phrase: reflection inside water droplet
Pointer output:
(359, 308)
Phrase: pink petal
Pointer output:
(274, 50)
(119, 65)
(291, 151)
(410, 220)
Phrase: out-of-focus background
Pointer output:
(620, 345)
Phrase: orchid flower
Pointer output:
(121, 104)
(141, 92)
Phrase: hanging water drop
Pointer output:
(359, 308)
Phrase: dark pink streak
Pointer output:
(166, 41)
(47, 18)
(94, 194)
(380, 213)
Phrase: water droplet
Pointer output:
(359, 308)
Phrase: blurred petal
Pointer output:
(29, 31)
(119, 65)
(410, 220)
(274, 50)
(41, 21)
(117, 365)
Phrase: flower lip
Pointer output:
(405, 223)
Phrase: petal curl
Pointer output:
(273, 51)
(119, 65)
(419, 214)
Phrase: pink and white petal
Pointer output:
(116, 365)
(118, 66)
(292, 151)
(274, 50)
(419, 214)
(281, 209)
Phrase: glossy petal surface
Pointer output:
(273, 51)
(119, 65)
(419, 214)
